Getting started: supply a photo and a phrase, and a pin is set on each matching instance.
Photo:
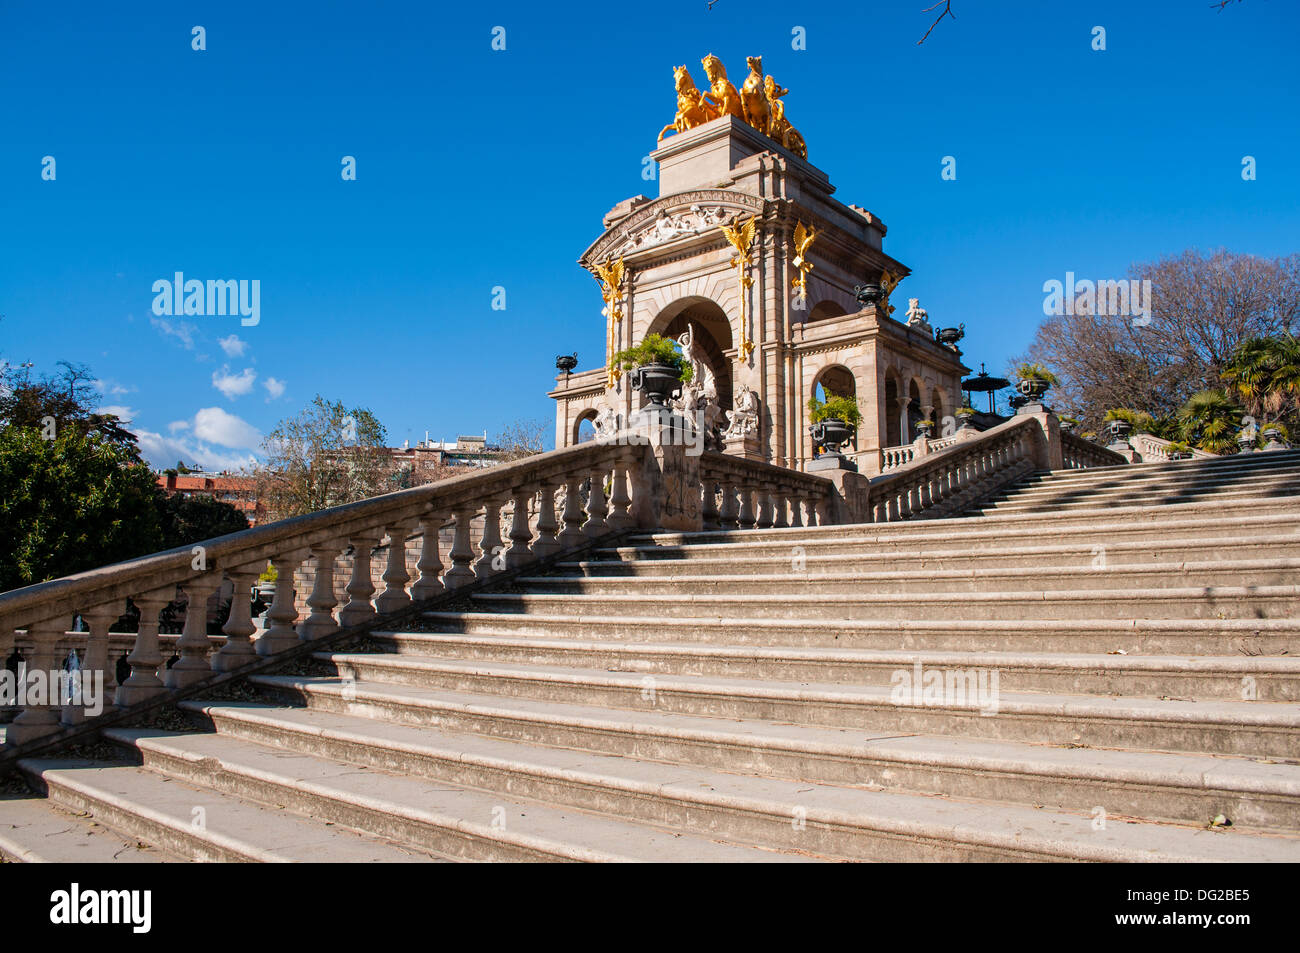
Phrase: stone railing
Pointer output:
(970, 468)
(891, 458)
(37, 619)
(1077, 454)
(1152, 449)
(745, 494)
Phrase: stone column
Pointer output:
(666, 483)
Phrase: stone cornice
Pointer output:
(646, 215)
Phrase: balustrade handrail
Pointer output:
(715, 466)
(945, 458)
(1076, 449)
(69, 594)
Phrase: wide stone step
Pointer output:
(1209, 602)
(1184, 469)
(34, 830)
(796, 577)
(1184, 787)
(436, 816)
(1064, 502)
(1233, 677)
(198, 823)
(994, 531)
(1272, 547)
(1157, 483)
(1084, 636)
(830, 820)
(1257, 729)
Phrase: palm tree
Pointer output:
(1209, 421)
(1265, 374)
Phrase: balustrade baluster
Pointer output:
(283, 612)
(709, 504)
(37, 720)
(746, 516)
(546, 544)
(238, 650)
(763, 518)
(796, 509)
(430, 565)
(462, 550)
(621, 517)
(490, 545)
(394, 598)
(521, 534)
(728, 514)
(362, 585)
(572, 535)
(596, 508)
(823, 511)
(193, 646)
(322, 600)
(146, 658)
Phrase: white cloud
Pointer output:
(214, 425)
(182, 330)
(176, 425)
(112, 388)
(125, 414)
(233, 346)
(273, 387)
(165, 451)
(233, 385)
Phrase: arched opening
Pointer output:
(835, 381)
(893, 435)
(914, 412)
(711, 331)
(823, 310)
(584, 428)
(938, 410)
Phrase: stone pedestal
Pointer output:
(829, 462)
(666, 492)
(747, 446)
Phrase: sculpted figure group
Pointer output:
(757, 102)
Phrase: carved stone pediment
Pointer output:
(679, 216)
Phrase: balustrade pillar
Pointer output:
(194, 645)
(37, 720)
(745, 518)
(521, 534)
(283, 613)
(596, 508)
(546, 544)
(709, 505)
(764, 516)
(429, 585)
(361, 586)
(728, 514)
(490, 546)
(145, 659)
(321, 621)
(780, 509)
(96, 665)
(621, 517)
(796, 510)
(238, 650)
(461, 572)
(572, 535)
(394, 598)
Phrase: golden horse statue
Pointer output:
(692, 108)
(757, 103)
(722, 93)
(753, 97)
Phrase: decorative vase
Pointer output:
(657, 381)
(831, 434)
(1033, 388)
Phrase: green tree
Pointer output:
(1209, 420)
(325, 456)
(72, 503)
(185, 520)
(1264, 374)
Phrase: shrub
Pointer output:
(654, 349)
(835, 408)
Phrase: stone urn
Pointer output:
(831, 434)
(1246, 442)
(949, 337)
(964, 418)
(1119, 431)
(1033, 388)
(657, 381)
(1273, 439)
(925, 428)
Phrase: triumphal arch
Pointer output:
(776, 289)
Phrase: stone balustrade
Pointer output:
(1078, 454)
(1149, 448)
(598, 485)
(742, 494)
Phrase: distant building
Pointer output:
(237, 490)
(431, 456)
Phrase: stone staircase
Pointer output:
(1118, 652)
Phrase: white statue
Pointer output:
(743, 421)
(916, 315)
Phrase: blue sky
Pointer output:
(478, 168)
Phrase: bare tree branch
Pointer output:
(947, 12)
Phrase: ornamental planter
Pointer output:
(657, 381)
(925, 428)
(1033, 388)
(964, 419)
(1118, 430)
(1273, 439)
(831, 434)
